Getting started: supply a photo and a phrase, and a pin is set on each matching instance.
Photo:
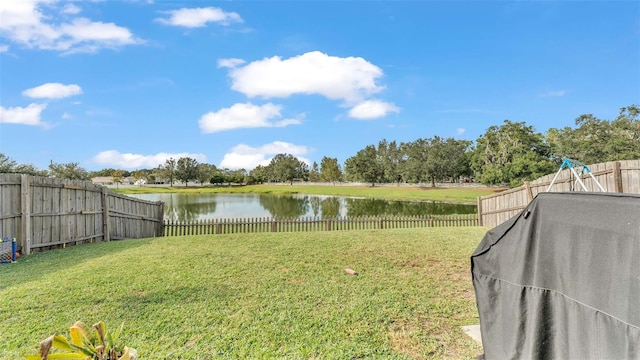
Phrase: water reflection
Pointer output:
(190, 207)
(181, 208)
(330, 207)
(285, 206)
(369, 207)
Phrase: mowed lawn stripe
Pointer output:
(255, 296)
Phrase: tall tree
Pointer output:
(330, 170)
(29, 169)
(118, 177)
(108, 172)
(259, 174)
(7, 165)
(139, 176)
(286, 167)
(595, 140)
(392, 160)
(417, 155)
(167, 171)
(365, 166)
(186, 170)
(625, 142)
(218, 176)
(234, 176)
(314, 173)
(511, 154)
(71, 171)
(205, 173)
(446, 158)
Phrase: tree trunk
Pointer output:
(433, 181)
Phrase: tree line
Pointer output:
(508, 154)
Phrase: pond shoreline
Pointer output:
(467, 195)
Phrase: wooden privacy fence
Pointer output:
(43, 212)
(262, 225)
(614, 176)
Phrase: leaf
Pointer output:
(112, 337)
(82, 339)
(101, 330)
(61, 342)
(45, 347)
(68, 356)
(128, 354)
(87, 350)
(32, 357)
(80, 334)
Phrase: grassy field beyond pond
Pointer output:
(280, 295)
(453, 194)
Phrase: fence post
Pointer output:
(25, 204)
(479, 211)
(160, 228)
(527, 188)
(274, 226)
(617, 177)
(106, 227)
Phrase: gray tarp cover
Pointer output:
(561, 280)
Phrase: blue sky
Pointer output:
(127, 84)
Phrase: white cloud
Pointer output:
(199, 17)
(137, 161)
(351, 79)
(29, 115)
(247, 157)
(553, 93)
(460, 131)
(230, 63)
(372, 109)
(67, 116)
(53, 91)
(33, 24)
(244, 115)
(71, 9)
(4, 48)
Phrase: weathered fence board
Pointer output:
(9, 215)
(262, 225)
(615, 176)
(43, 213)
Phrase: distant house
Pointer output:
(102, 180)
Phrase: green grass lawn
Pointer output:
(282, 295)
(453, 194)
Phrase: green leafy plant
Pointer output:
(87, 343)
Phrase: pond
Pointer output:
(189, 207)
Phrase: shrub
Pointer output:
(87, 343)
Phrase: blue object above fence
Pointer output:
(8, 249)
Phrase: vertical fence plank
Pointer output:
(25, 204)
(617, 177)
(106, 223)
